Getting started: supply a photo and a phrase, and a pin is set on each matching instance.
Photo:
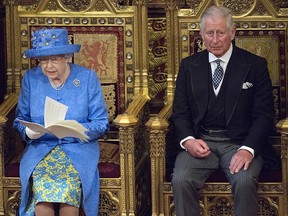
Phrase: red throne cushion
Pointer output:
(109, 165)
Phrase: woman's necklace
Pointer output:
(61, 85)
(57, 87)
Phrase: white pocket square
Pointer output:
(247, 85)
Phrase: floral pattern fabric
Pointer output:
(55, 180)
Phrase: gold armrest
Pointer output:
(8, 104)
(160, 122)
(131, 115)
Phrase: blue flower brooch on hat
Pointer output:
(50, 42)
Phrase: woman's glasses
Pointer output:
(54, 60)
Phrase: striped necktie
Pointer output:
(218, 74)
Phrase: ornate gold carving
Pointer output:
(30, 7)
(269, 205)
(259, 10)
(110, 99)
(100, 6)
(157, 56)
(171, 6)
(109, 204)
(216, 188)
(75, 5)
(280, 6)
(110, 182)
(13, 202)
(195, 5)
(271, 188)
(216, 205)
(222, 205)
(265, 46)
(238, 7)
(14, 182)
(158, 146)
(132, 156)
(140, 2)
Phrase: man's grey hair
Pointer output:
(217, 11)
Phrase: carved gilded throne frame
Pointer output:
(104, 28)
(262, 28)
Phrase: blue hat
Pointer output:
(49, 42)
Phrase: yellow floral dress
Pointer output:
(54, 180)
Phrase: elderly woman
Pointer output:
(52, 170)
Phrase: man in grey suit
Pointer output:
(221, 121)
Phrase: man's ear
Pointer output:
(233, 33)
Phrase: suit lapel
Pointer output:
(237, 70)
(200, 70)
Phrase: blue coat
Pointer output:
(83, 95)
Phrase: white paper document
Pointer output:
(53, 111)
(54, 115)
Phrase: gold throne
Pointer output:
(262, 29)
(111, 35)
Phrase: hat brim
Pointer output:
(59, 50)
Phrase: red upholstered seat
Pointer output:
(109, 166)
(109, 163)
(12, 170)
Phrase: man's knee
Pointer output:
(248, 182)
(179, 179)
(185, 182)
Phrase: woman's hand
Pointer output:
(33, 134)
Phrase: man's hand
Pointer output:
(240, 159)
(197, 148)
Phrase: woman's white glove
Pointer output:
(33, 134)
